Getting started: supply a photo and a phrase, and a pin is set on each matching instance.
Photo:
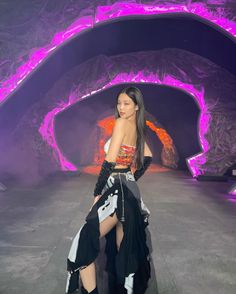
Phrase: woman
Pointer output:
(118, 212)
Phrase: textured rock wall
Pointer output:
(28, 153)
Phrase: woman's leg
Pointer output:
(119, 234)
(88, 274)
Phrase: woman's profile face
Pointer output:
(125, 106)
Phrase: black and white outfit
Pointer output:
(129, 267)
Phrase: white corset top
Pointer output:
(106, 145)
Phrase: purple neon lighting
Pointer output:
(104, 13)
(231, 196)
(47, 126)
(39, 55)
(47, 132)
(232, 192)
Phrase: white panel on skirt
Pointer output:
(108, 207)
(129, 282)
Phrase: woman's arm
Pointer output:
(146, 162)
(109, 162)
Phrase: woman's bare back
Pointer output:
(130, 139)
(130, 134)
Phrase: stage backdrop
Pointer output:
(55, 55)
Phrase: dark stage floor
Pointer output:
(192, 227)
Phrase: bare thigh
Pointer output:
(109, 223)
(119, 234)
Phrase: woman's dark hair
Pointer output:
(135, 94)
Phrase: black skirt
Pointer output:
(129, 268)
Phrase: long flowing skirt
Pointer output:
(129, 267)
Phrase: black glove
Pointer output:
(139, 172)
(106, 170)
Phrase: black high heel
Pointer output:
(84, 291)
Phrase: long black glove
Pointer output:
(106, 170)
(139, 172)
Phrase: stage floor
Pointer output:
(192, 229)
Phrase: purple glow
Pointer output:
(200, 159)
(232, 191)
(47, 132)
(102, 14)
(231, 198)
(40, 54)
(47, 127)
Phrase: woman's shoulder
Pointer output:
(121, 123)
(120, 120)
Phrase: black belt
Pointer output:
(121, 170)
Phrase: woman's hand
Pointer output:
(95, 200)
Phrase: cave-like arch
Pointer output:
(33, 101)
(141, 67)
(105, 14)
